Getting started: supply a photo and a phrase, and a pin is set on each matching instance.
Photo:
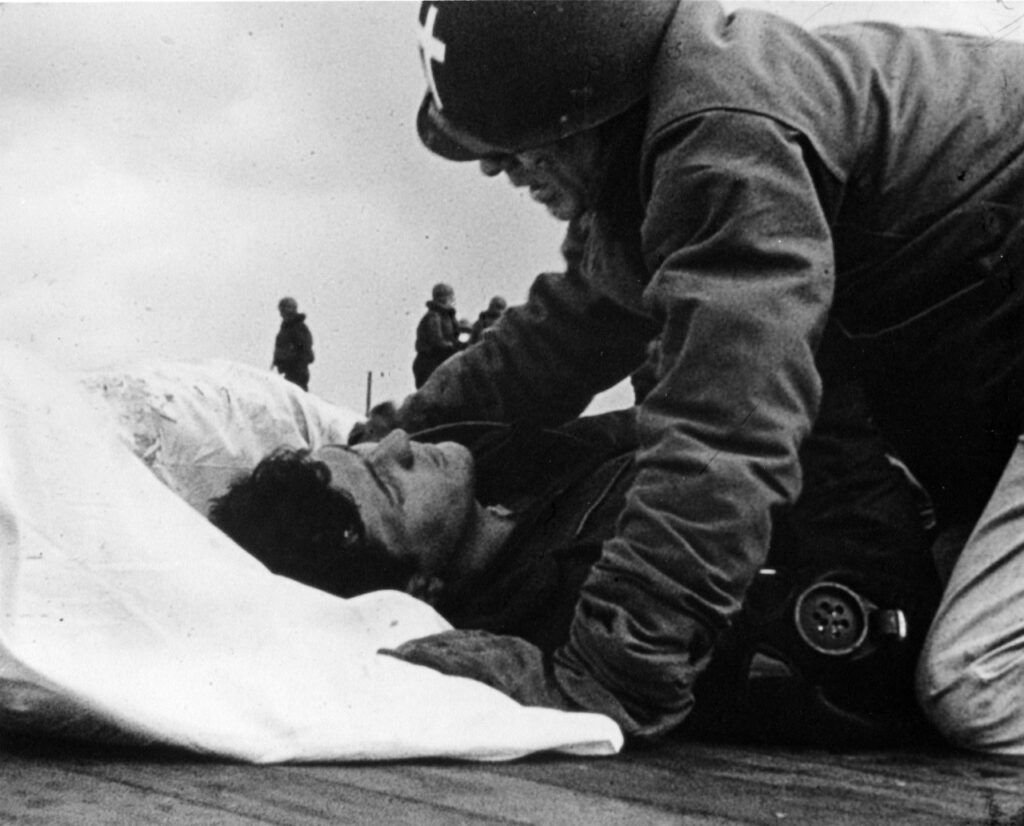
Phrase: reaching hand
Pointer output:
(522, 671)
(382, 420)
(425, 588)
(513, 666)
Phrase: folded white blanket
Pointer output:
(125, 616)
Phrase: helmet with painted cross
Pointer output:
(508, 75)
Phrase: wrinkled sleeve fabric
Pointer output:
(541, 363)
(305, 344)
(741, 252)
(743, 263)
(430, 336)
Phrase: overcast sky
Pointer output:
(169, 171)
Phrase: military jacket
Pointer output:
(867, 178)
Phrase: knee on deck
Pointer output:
(974, 699)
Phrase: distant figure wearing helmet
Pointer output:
(487, 318)
(733, 184)
(293, 346)
(437, 334)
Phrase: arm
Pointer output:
(429, 336)
(541, 363)
(744, 281)
(304, 345)
(743, 260)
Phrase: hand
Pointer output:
(382, 420)
(425, 588)
(523, 672)
(513, 666)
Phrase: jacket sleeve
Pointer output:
(540, 364)
(305, 344)
(429, 338)
(743, 280)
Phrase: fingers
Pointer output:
(426, 588)
(382, 420)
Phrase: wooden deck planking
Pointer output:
(684, 784)
(386, 794)
(769, 785)
(510, 797)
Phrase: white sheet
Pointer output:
(196, 425)
(124, 615)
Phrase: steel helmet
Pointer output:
(508, 75)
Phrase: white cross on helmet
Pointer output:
(508, 75)
(431, 49)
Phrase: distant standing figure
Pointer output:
(437, 335)
(487, 318)
(293, 347)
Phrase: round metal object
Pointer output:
(831, 618)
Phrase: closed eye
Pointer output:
(389, 492)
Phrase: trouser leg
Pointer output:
(970, 677)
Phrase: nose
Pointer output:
(396, 447)
(496, 164)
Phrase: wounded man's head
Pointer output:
(287, 514)
(352, 520)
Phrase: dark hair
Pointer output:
(287, 514)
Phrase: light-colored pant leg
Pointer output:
(970, 678)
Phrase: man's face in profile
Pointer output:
(562, 175)
(415, 499)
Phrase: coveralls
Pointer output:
(437, 339)
(293, 350)
(867, 175)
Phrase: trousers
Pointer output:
(970, 676)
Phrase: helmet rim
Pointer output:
(450, 143)
(488, 91)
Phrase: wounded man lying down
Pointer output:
(498, 527)
(127, 618)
